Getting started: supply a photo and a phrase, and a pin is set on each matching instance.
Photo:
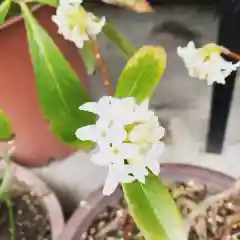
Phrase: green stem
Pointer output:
(124, 45)
(7, 173)
(11, 217)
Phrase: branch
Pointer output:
(102, 67)
(229, 53)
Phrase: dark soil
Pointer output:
(221, 222)
(31, 221)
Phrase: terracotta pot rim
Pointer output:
(84, 215)
(47, 197)
(16, 19)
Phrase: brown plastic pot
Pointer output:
(28, 180)
(84, 216)
(35, 143)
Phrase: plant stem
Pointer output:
(204, 205)
(11, 217)
(6, 179)
(230, 53)
(128, 226)
(102, 67)
(123, 44)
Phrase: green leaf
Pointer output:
(53, 3)
(5, 127)
(150, 204)
(142, 73)
(124, 45)
(4, 8)
(154, 210)
(59, 89)
(88, 57)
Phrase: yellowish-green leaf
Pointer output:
(5, 127)
(53, 3)
(142, 73)
(154, 210)
(89, 57)
(4, 8)
(59, 89)
(151, 205)
(139, 6)
(123, 44)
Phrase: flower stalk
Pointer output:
(102, 67)
(229, 53)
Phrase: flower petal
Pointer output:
(154, 166)
(145, 104)
(142, 113)
(117, 134)
(152, 157)
(100, 159)
(128, 150)
(122, 171)
(90, 107)
(95, 24)
(139, 171)
(110, 185)
(87, 133)
(105, 102)
(139, 133)
(158, 133)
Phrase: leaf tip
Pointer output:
(143, 7)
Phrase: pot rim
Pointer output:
(17, 19)
(47, 197)
(84, 215)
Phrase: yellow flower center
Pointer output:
(116, 151)
(79, 18)
(209, 49)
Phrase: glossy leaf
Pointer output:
(151, 205)
(124, 45)
(5, 127)
(53, 3)
(59, 89)
(139, 6)
(142, 73)
(4, 8)
(88, 57)
(154, 210)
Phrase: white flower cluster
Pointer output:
(75, 24)
(206, 63)
(128, 137)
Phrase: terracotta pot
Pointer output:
(49, 201)
(84, 216)
(18, 97)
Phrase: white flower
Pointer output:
(206, 63)
(116, 174)
(115, 153)
(75, 24)
(110, 109)
(216, 69)
(128, 137)
(103, 131)
(147, 132)
(147, 135)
